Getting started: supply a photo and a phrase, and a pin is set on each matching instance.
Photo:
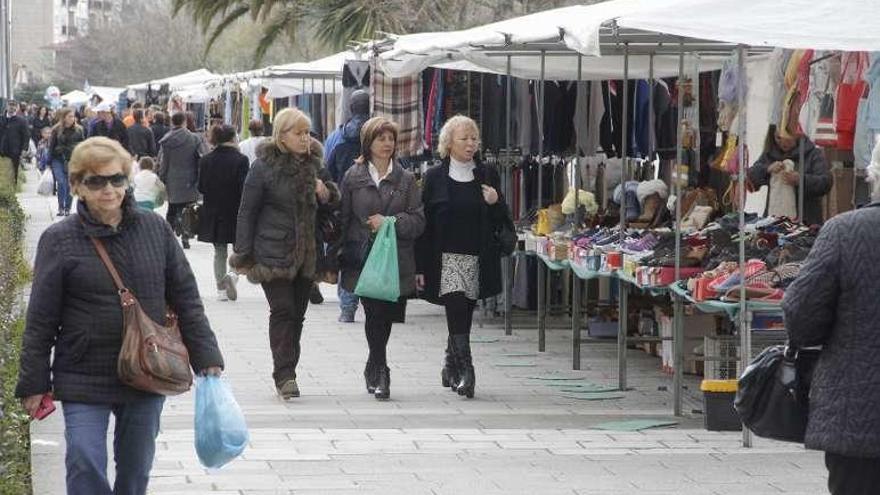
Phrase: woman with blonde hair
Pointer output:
(375, 187)
(74, 317)
(275, 241)
(459, 255)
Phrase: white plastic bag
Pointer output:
(47, 183)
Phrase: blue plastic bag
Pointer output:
(221, 432)
(380, 278)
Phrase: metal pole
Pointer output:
(508, 282)
(324, 117)
(5, 50)
(677, 327)
(801, 179)
(651, 136)
(623, 295)
(575, 281)
(744, 316)
(542, 289)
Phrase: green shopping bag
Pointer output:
(380, 278)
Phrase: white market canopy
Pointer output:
(598, 31)
(321, 76)
(845, 25)
(200, 76)
(75, 97)
(109, 94)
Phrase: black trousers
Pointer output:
(377, 326)
(459, 313)
(852, 475)
(16, 165)
(288, 301)
(174, 216)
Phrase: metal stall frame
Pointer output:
(628, 42)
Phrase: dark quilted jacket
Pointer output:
(74, 307)
(834, 302)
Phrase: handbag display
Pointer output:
(773, 394)
(153, 357)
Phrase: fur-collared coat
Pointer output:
(275, 233)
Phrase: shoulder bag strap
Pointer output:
(102, 253)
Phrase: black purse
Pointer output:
(772, 399)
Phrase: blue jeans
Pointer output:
(62, 184)
(348, 301)
(134, 445)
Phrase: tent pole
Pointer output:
(744, 330)
(801, 179)
(651, 124)
(508, 282)
(575, 281)
(623, 296)
(324, 117)
(677, 327)
(542, 288)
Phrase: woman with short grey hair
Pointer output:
(459, 256)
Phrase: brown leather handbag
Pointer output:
(153, 357)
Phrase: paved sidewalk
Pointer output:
(518, 436)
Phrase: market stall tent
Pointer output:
(75, 97)
(200, 76)
(846, 25)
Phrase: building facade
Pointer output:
(40, 27)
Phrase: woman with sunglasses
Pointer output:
(74, 311)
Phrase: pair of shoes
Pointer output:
(461, 347)
(383, 383)
(185, 242)
(289, 389)
(449, 375)
(60, 213)
(221, 295)
(315, 296)
(346, 316)
(371, 377)
(228, 283)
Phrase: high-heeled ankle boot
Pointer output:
(449, 375)
(371, 375)
(383, 383)
(461, 345)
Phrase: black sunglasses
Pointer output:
(98, 182)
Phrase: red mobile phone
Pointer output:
(46, 408)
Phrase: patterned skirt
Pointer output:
(460, 273)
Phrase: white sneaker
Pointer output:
(229, 282)
(221, 295)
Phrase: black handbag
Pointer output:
(772, 399)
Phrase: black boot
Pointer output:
(449, 374)
(383, 382)
(371, 377)
(461, 346)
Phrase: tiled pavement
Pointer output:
(518, 436)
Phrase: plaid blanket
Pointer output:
(400, 99)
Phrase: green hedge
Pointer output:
(15, 471)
